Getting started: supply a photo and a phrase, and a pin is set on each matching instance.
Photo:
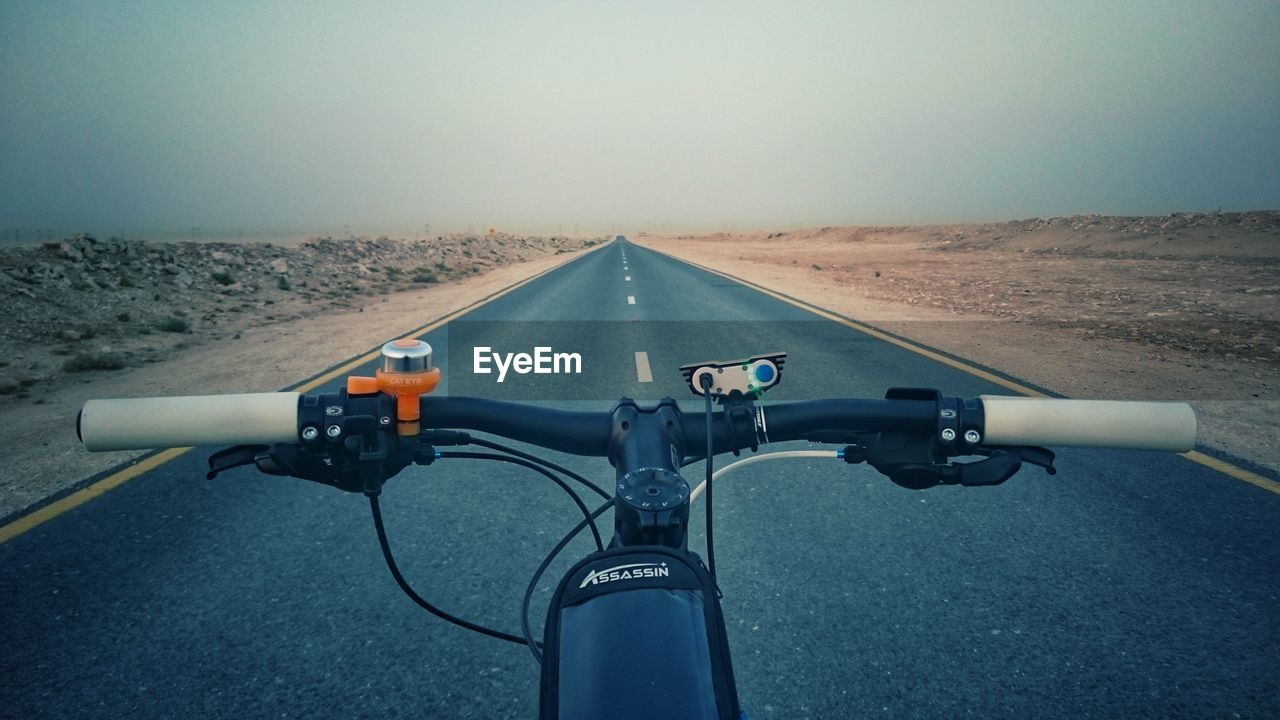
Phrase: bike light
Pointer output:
(407, 374)
(751, 376)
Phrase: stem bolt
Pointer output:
(310, 433)
(948, 434)
(384, 420)
(333, 431)
(972, 437)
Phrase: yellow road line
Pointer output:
(115, 480)
(1208, 461)
(1238, 473)
(84, 495)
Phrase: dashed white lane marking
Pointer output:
(628, 278)
(631, 299)
(643, 372)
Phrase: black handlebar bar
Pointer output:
(588, 433)
(577, 433)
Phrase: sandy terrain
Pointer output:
(280, 338)
(1176, 307)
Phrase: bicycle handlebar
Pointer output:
(1089, 423)
(577, 433)
(144, 423)
(267, 418)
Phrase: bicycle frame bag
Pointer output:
(637, 632)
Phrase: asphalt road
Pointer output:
(1130, 584)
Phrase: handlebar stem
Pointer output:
(652, 498)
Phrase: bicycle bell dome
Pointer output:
(407, 355)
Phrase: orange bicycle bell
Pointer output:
(407, 374)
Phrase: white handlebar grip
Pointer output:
(143, 423)
(1127, 425)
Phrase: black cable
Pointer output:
(543, 462)
(534, 647)
(711, 548)
(586, 514)
(404, 585)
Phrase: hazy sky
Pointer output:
(141, 116)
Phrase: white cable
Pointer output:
(757, 458)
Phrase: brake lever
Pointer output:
(1043, 457)
(999, 466)
(360, 470)
(233, 457)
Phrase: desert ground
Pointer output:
(1178, 307)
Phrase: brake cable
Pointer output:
(534, 646)
(588, 519)
(482, 442)
(711, 548)
(577, 499)
(408, 590)
(836, 454)
(438, 437)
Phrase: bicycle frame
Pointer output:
(643, 652)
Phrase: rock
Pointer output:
(227, 258)
(15, 287)
(172, 269)
(280, 267)
(182, 279)
(69, 251)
